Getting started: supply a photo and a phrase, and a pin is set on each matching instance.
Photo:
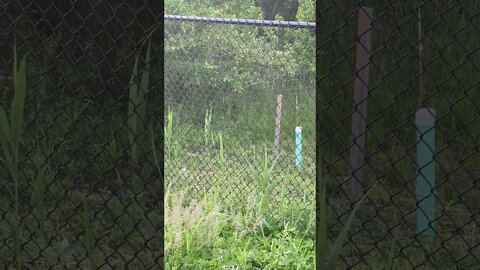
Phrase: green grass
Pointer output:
(220, 231)
(11, 138)
(69, 199)
(229, 205)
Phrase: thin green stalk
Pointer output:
(322, 237)
(11, 138)
(207, 126)
(391, 254)
(168, 131)
(170, 143)
(18, 105)
(137, 106)
(327, 260)
(154, 151)
(221, 153)
(265, 186)
(133, 117)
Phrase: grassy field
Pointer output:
(238, 230)
(230, 205)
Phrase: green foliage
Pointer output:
(137, 108)
(245, 70)
(214, 8)
(327, 260)
(11, 138)
(11, 134)
(168, 132)
(221, 151)
(217, 232)
(389, 262)
(306, 11)
(265, 184)
(18, 105)
(137, 113)
(171, 143)
(207, 128)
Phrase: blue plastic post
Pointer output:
(425, 123)
(298, 147)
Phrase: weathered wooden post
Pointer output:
(278, 118)
(360, 96)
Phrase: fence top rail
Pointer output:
(284, 24)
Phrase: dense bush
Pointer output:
(236, 68)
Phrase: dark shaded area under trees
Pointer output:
(288, 9)
(79, 44)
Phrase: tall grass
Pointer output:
(168, 133)
(137, 113)
(221, 152)
(33, 205)
(137, 108)
(219, 231)
(11, 138)
(171, 143)
(206, 234)
(265, 183)
(327, 259)
(208, 127)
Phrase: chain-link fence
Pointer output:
(84, 188)
(235, 92)
(81, 186)
(418, 138)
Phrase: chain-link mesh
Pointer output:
(86, 191)
(86, 187)
(223, 82)
(427, 174)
